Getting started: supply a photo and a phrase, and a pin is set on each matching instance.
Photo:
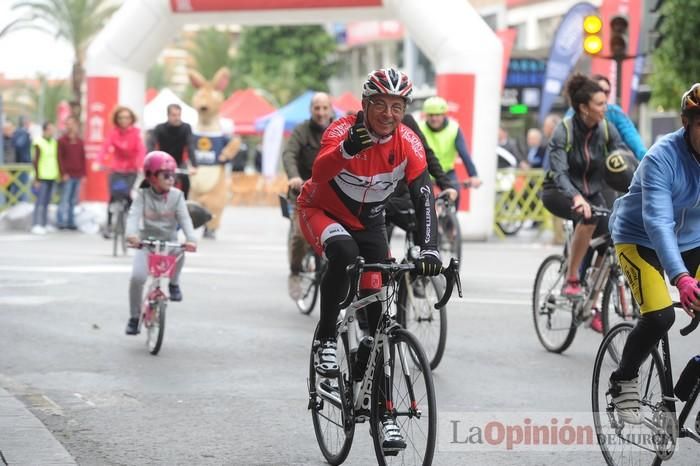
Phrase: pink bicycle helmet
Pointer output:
(157, 161)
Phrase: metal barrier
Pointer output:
(16, 184)
(517, 200)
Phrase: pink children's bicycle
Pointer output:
(162, 259)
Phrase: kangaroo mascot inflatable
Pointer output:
(213, 148)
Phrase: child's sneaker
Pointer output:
(175, 293)
(132, 327)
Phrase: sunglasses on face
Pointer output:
(166, 174)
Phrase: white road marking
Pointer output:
(82, 398)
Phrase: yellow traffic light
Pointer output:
(592, 24)
(592, 42)
(592, 45)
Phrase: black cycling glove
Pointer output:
(358, 138)
(429, 263)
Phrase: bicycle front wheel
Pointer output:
(621, 443)
(404, 390)
(619, 304)
(552, 313)
(310, 281)
(416, 312)
(154, 321)
(330, 402)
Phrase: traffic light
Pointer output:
(592, 43)
(619, 26)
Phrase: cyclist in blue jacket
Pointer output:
(655, 230)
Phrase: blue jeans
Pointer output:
(41, 208)
(69, 198)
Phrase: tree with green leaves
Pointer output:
(676, 62)
(158, 76)
(76, 21)
(285, 60)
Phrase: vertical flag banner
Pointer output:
(567, 47)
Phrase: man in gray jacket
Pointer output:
(298, 157)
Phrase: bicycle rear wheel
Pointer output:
(310, 281)
(119, 239)
(330, 402)
(449, 236)
(619, 304)
(410, 382)
(621, 443)
(154, 321)
(416, 312)
(552, 313)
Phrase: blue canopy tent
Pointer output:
(294, 112)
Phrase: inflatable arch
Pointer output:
(465, 52)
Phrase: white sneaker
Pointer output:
(38, 230)
(294, 287)
(50, 229)
(625, 397)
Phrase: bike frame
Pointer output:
(669, 398)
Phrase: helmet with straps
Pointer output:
(388, 81)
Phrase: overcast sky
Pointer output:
(25, 53)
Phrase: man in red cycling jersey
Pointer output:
(341, 208)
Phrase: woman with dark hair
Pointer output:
(577, 152)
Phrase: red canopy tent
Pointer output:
(347, 102)
(244, 107)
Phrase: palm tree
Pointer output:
(76, 21)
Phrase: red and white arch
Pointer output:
(465, 52)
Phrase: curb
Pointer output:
(24, 439)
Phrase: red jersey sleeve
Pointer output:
(331, 158)
(415, 154)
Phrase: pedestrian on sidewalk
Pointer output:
(46, 174)
(71, 161)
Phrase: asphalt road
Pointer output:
(229, 386)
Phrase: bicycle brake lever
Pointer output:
(451, 274)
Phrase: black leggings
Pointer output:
(342, 251)
(650, 328)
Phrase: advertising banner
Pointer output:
(102, 97)
(187, 6)
(567, 47)
(459, 88)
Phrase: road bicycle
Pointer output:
(557, 317)
(449, 231)
(417, 295)
(394, 380)
(655, 439)
(313, 267)
(162, 259)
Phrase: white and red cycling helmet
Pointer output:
(158, 161)
(388, 81)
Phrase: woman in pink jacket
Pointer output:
(123, 153)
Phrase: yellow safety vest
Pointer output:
(47, 165)
(443, 143)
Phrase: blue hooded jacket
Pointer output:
(661, 209)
